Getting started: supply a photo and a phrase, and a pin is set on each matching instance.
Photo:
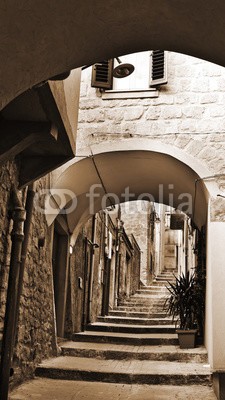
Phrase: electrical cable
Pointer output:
(101, 180)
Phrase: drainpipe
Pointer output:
(106, 262)
(17, 236)
(91, 281)
(29, 211)
(85, 271)
(118, 261)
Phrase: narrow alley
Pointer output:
(112, 200)
(132, 353)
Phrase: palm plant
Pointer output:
(186, 301)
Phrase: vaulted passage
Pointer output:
(108, 178)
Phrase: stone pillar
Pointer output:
(215, 299)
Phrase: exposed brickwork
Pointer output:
(36, 331)
(8, 177)
(36, 334)
(189, 112)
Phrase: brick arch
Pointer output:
(40, 42)
(141, 165)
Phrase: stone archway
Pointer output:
(141, 165)
(38, 42)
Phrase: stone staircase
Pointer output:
(135, 344)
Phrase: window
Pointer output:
(150, 72)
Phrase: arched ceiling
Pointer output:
(148, 175)
(44, 38)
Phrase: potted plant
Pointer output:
(186, 306)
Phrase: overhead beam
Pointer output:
(34, 167)
(49, 105)
(16, 136)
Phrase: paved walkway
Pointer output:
(50, 389)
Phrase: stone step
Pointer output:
(123, 328)
(124, 371)
(146, 298)
(148, 301)
(156, 301)
(125, 352)
(139, 304)
(137, 314)
(147, 311)
(152, 287)
(138, 321)
(142, 302)
(139, 309)
(51, 389)
(149, 296)
(128, 338)
(153, 292)
(167, 276)
(163, 279)
(153, 283)
(156, 288)
(161, 282)
(145, 301)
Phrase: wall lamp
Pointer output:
(123, 69)
(120, 71)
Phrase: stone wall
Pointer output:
(36, 331)
(136, 220)
(170, 249)
(188, 112)
(8, 178)
(36, 339)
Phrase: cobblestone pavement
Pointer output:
(49, 389)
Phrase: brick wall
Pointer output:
(188, 113)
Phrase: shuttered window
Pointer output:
(158, 68)
(146, 74)
(102, 74)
